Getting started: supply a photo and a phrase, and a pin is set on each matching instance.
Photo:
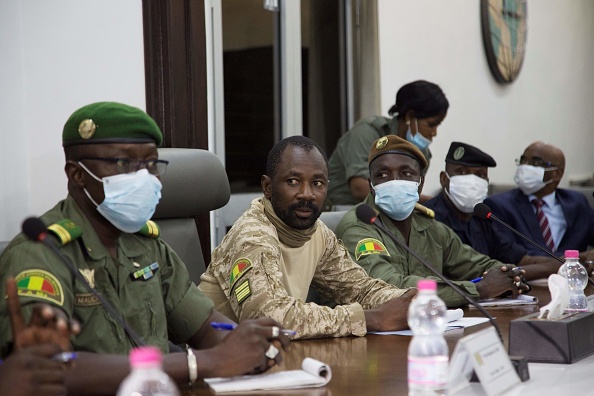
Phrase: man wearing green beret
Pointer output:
(103, 227)
(397, 170)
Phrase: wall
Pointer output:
(551, 99)
(56, 57)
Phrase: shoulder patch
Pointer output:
(150, 229)
(65, 230)
(240, 267)
(243, 291)
(369, 246)
(40, 284)
(425, 210)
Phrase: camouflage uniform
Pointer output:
(382, 258)
(250, 272)
(349, 158)
(164, 306)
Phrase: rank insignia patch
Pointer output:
(370, 246)
(243, 291)
(240, 267)
(145, 273)
(40, 284)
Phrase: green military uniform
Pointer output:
(382, 258)
(349, 158)
(164, 306)
(253, 274)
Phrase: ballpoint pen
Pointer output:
(231, 326)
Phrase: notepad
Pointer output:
(522, 299)
(313, 374)
(455, 318)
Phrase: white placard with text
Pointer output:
(483, 352)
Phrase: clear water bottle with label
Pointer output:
(577, 280)
(427, 351)
(147, 377)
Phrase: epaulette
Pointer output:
(65, 230)
(150, 229)
(425, 210)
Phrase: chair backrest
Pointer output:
(331, 219)
(195, 183)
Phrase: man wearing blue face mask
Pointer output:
(103, 227)
(397, 169)
(465, 182)
(556, 218)
(421, 106)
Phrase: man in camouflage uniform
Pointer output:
(278, 248)
(396, 177)
(102, 227)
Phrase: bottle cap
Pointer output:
(145, 356)
(572, 254)
(427, 284)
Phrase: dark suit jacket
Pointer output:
(514, 208)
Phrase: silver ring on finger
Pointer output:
(271, 352)
(275, 331)
(518, 284)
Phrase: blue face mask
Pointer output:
(418, 140)
(397, 198)
(130, 199)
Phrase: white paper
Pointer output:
(455, 321)
(313, 374)
(522, 299)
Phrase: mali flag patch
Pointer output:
(40, 284)
(369, 246)
(240, 267)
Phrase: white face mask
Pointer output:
(467, 191)
(130, 199)
(529, 178)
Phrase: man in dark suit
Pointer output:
(555, 218)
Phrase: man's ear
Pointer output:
(443, 180)
(266, 184)
(371, 187)
(421, 184)
(74, 173)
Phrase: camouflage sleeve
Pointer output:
(340, 279)
(246, 266)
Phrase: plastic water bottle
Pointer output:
(147, 377)
(577, 280)
(427, 351)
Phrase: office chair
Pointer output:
(195, 183)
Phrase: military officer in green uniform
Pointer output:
(420, 108)
(396, 178)
(103, 228)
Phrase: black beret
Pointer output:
(465, 154)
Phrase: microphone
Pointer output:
(34, 229)
(367, 215)
(483, 211)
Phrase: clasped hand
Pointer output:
(508, 280)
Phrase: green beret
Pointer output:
(392, 144)
(467, 155)
(110, 122)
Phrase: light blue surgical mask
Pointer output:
(418, 140)
(130, 198)
(397, 198)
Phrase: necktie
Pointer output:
(543, 222)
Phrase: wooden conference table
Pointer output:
(376, 364)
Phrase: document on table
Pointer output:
(313, 374)
(456, 320)
(522, 299)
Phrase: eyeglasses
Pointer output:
(127, 165)
(535, 161)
